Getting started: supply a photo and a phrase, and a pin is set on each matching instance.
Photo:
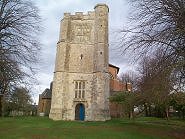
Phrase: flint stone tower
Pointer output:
(81, 79)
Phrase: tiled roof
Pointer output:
(46, 93)
(110, 65)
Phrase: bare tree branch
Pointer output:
(156, 24)
(19, 45)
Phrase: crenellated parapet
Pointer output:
(77, 28)
(80, 15)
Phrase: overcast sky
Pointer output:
(52, 12)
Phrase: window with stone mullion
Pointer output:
(83, 89)
(76, 89)
(80, 89)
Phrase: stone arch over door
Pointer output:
(80, 112)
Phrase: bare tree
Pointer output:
(19, 46)
(155, 83)
(177, 100)
(157, 24)
(128, 100)
(19, 101)
(130, 77)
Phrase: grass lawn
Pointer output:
(44, 128)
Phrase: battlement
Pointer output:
(80, 15)
(101, 5)
(67, 14)
(85, 16)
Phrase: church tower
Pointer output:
(81, 79)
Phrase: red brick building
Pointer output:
(116, 86)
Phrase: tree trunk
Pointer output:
(131, 114)
(167, 114)
(183, 113)
(1, 108)
(146, 110)
(150, 113)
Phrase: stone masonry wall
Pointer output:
(82, 55)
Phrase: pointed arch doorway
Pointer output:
(80, 112)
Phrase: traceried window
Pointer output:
(79, 89)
